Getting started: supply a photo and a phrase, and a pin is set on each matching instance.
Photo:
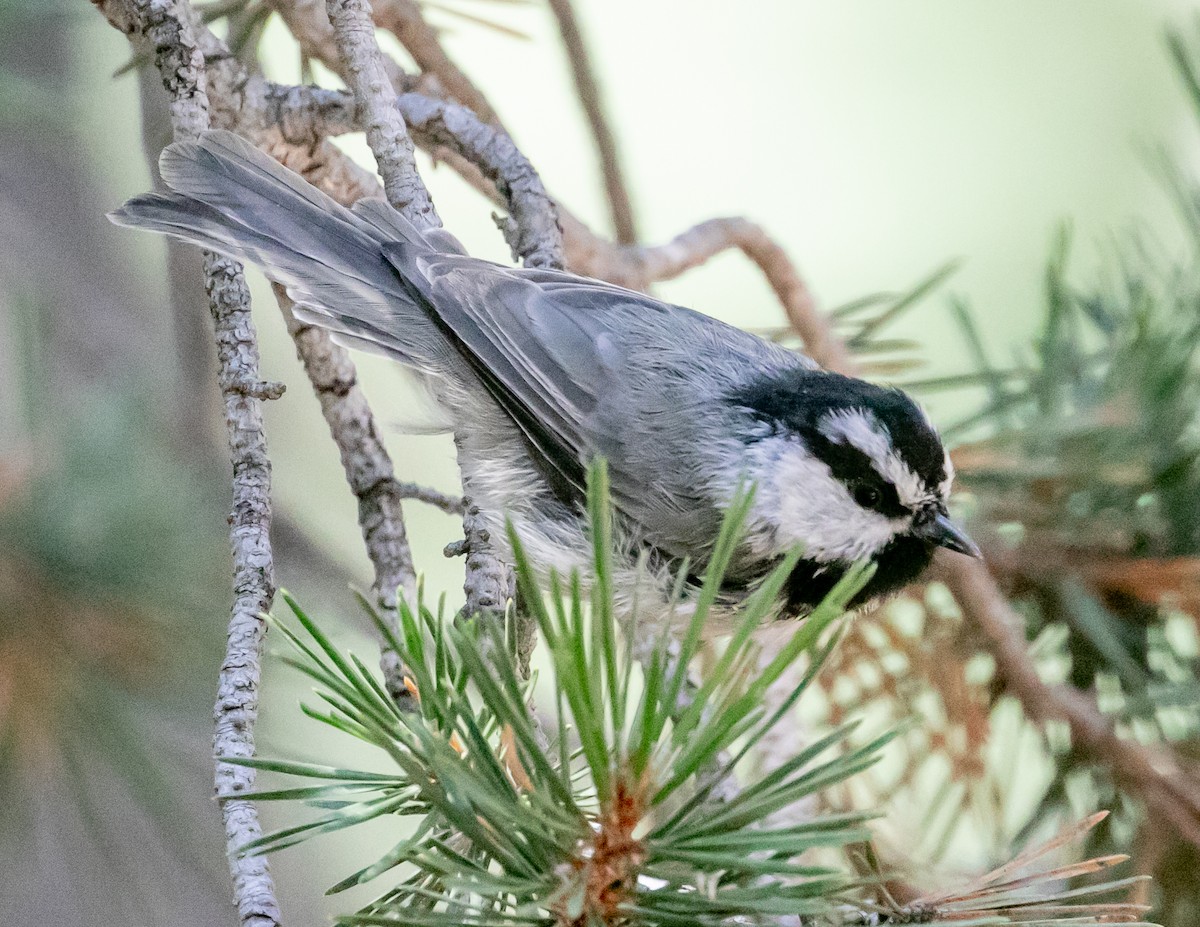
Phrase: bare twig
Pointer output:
(308, 22)
(451, 505)
(354, 31)
(302, 117)
(369, 471)
(1153, 774)
(619, 204)
(488, 584)
(166, 25)
(536, 236)
(700, 243)
(403, 18)
(236, 709)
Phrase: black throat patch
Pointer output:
(901, 562)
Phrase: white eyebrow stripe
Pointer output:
(862, 430)
(944, 485)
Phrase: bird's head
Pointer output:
(851, 471)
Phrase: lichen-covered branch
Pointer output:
(451, 505)
(615, 187)
(488, 584)
(354, 32)
(536, 235)
(370, 473)
(238, 685)
(166, 26)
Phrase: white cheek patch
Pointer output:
(860, 429)
(799, 502)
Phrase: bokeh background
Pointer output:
(875, 141)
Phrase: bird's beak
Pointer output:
(941, 531)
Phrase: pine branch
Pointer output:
(587, 86)
(166, 27)
(354, 32)
(622, 829)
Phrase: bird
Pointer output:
(540, 372)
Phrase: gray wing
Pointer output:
(586, 368)
(227, 196)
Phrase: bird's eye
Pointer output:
(866, 495)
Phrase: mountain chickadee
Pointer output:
(541, 370)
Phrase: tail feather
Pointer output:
(229, 197)
(394, 227)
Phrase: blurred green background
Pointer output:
(875, 141)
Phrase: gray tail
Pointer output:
(229, 197)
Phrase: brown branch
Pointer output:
(1155, 775)
(702, 242)
(166, 27)
(590, 98)
(403, 18)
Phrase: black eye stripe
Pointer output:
(851, 466)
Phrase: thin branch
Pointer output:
(702, 242)
(308, 22)
(536, 235)
(404, 19)
(236, 710)
(354, 31)
(1153, 774)
(451, 505)
(369, 472)
(488, 583)
(590, 97)
(304, 116)
(167, 27)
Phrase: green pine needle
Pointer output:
(510, 831)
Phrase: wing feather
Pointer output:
(585, 368)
